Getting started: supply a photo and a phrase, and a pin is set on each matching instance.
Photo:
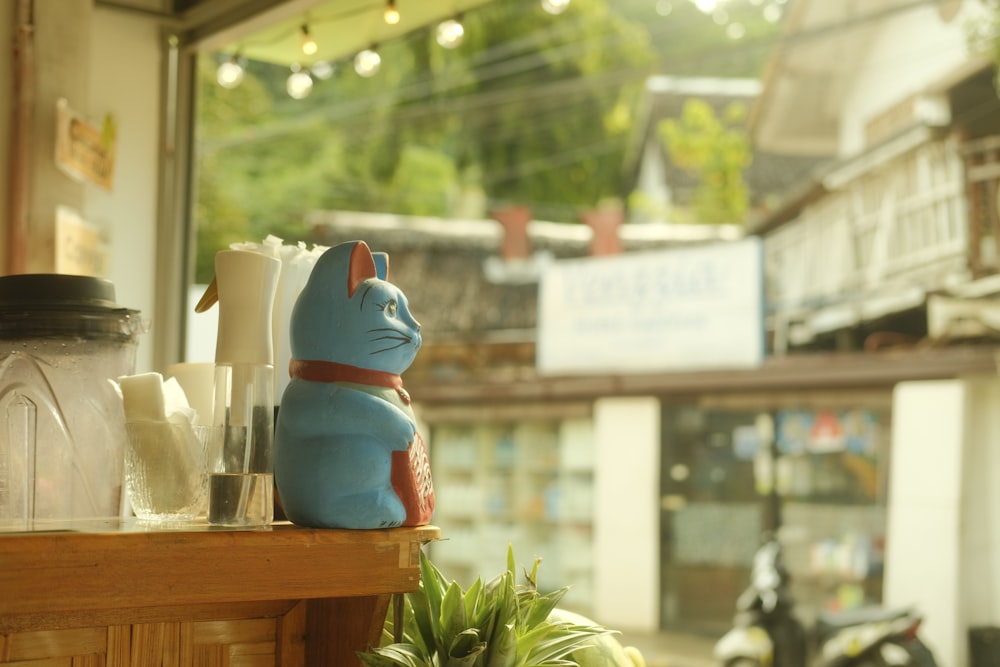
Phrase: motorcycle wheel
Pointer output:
(901, 653)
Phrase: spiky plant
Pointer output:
(499, 623)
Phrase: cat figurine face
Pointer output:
(347, 450)
(350, 314)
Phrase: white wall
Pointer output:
(626, 513)
(125, 82)
(923, 547)
(896, 68)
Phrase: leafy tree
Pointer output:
(690, 42)
(248, 189)
(984, 37)
(424, 181)
(530, 108)
(717, 150)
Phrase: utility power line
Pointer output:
(494, 67)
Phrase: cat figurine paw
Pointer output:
(347, 450)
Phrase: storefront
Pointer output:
(813, 466)
(543, 464)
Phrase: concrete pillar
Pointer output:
(923, 546)
(626, 513)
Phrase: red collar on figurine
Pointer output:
(330, 371)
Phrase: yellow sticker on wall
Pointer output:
(83, 151)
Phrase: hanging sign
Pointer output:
(698, 307)
(81, 249)
(84, 152)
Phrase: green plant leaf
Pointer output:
(540, 608)
(502, 648)
(499, 623)
(556, 641)
(395, 655)
(433, 582)
(473, 602)
(452, 619)
(502, 622)
(466, 649)
(419, 623)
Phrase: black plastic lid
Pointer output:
(56, 291)
(49, 305)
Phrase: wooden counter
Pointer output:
(127, 596)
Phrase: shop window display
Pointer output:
(526, 483)
(816, 474)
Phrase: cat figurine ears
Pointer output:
(365, 264)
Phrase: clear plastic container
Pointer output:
(63, 341)
(241, 446)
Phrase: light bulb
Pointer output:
(299, 83)
(367, 62)
(391, 14)
(735, 31)
(230, 73)
(555, 6)
(322, 69)
(449, 33)
(309, 45)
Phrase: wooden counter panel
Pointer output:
(61, 572)
(287, 597)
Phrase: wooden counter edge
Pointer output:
(54, 573)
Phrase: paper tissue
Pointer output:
(165, 463)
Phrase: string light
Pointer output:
(322, 70)
(367, 62)
(450, 33)
(299, 83)
(391, 14)
(230, 73)
(555, 7)
(309, 45)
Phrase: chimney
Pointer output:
(604, 223)
(514, 219)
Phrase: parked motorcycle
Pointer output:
(767, 633)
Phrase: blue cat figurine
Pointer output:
(347, 451)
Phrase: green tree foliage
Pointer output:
(424, 181)
(248, 189)
(984, 37)
(717, 150)
(690, 42)
(530, 108)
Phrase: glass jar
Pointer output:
(63, 343)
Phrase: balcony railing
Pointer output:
(888, 231)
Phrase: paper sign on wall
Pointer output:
(81, 249)
(689, 308)
(85, 152)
